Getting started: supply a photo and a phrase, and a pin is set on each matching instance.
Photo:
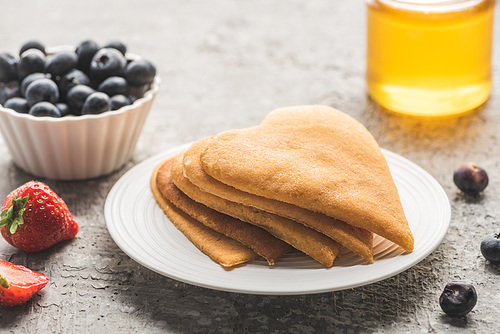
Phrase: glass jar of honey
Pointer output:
(429, 57)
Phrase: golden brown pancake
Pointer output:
(354, 238)
(317, 158)
(221, 249)
(318, 246)
(255, 238)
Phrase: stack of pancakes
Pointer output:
(310, 178)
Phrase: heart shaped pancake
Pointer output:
(317, 158)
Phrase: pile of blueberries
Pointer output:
(89, 80)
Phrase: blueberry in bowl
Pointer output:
(76, 97)
(50, 128)
(117, 44)
(114, 86)
(31, 61)
(71, 79)
(42, 90)
(29, 79)
(44, 108)
(140, 72)
(96, 103)
(107, 62)
(33, 44)
(119, 101)
(18, 104)
(60, 63)
(8, 90)
(8, 67)
(85, 51)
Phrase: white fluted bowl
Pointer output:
(75, 147)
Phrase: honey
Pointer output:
(429, 57)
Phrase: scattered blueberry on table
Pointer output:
(490, 248)
(470, 178)
(92, 79)
(458, 298)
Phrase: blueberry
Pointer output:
(470, 178)
(118, 101)
(29, 79)
(31, 61)
(114, 86)
(71, 79)
(63, 108)
(8, 67)
(138, 92)
(490, 248)
(44, 109)
(458, 298)
(85, 51)
(18, 104)
(8, 90)
(115, 44)
(60, 63)
(140, 72)
(76, 97)
(107, 62)
(42, 90)
(96, 103)
(32, 45)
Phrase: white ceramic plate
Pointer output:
(142, 231)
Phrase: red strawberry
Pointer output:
(18, 284)
(34, 218)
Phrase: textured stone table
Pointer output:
(225, 64)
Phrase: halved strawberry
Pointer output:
(18, 283)
(34, 218)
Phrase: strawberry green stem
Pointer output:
(4, 283)
(12, 217)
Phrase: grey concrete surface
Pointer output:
(225, 64)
